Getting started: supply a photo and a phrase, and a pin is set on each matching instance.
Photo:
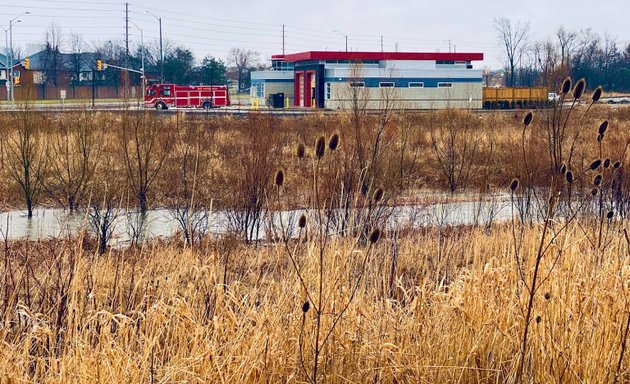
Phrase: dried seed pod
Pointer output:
(377, 195)
(300, 151)
(597, 94)
(597, 181)
(547, 295)
(527, 120)
(594, 192)
(610, 215)
(566, 85)
(595, 164)
(600, 137)
(603, 127)
(320, 147)
(538, 319)
(617, 165)
(375, 235)
(569, 177)
(278, 179)
(514, 184)
(607, 163)
(306, 306)
(302, 221)
(580, 86)
(333, 142)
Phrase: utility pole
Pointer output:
(449, 46)
(282, 39)
(381, 43)
(126, 34)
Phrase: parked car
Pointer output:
(552, 96)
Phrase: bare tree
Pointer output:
(567, 41)
(74, 153)
(185, 193)
(244, 61)
(26, 156)
(145, 145)
(515, 38)
(52, 55)
(76, 58)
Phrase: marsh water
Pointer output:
(161, 223)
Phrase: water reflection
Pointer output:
(160, 223)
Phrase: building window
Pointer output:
(260, 89)
(386, 84)
(357, 84)
(416, 84)
(444, 85)
(327, 91)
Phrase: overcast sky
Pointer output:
(213, 27)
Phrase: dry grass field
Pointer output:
(223, 313)
(342, 293)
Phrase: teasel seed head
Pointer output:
(580, 86)
(538, 319)
(594, 192)
(320, 147)
(569, 177)
(607, 163)
(610, 215)
(547, 295)
(377, 196)
(302, 221)
(617, 164)
(603, 127)
(306, 306)
(527, 120)
(514, 184)
(597, 94)
(595, 164)
(597, 180)
(375, 235)
(278, 179)
(333, 142)
(300, 151)
(566, 85)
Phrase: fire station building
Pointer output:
(337, 80)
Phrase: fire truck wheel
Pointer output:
(160, 106)
(206, 105)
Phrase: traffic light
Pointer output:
(27, 63)
(99, 65)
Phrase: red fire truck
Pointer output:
(164, 96)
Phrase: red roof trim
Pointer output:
(361, 56)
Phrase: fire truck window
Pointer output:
(151, 92)
(166, 91)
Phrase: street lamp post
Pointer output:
(6, 61)
(159, 19)
(142, 78)
(344, 35)
(141, 51)
(10, 59)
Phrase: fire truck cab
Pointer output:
(164, 96)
